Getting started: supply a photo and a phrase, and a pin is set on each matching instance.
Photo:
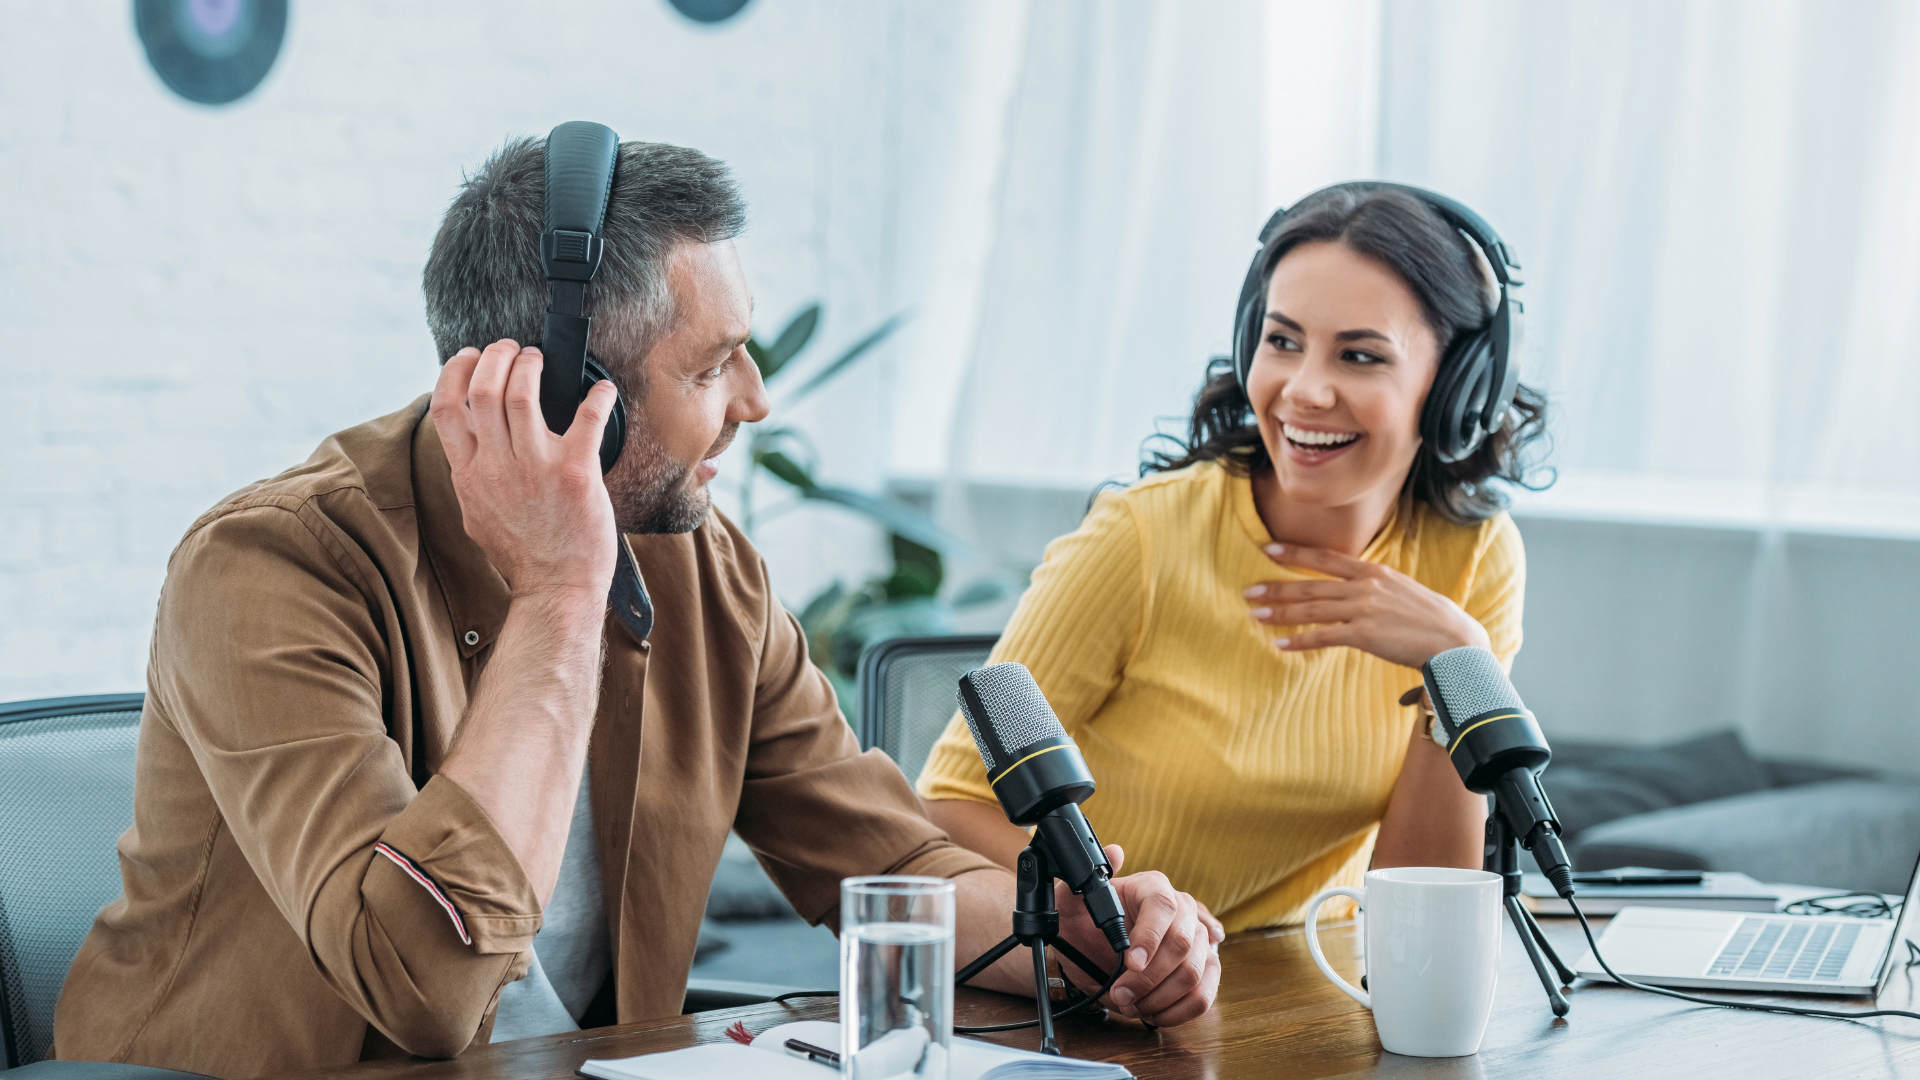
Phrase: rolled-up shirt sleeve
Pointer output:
(813, 807)
(269, 657)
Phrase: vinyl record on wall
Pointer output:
(708, 11)
(211, 51)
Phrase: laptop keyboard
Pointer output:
(1786, 950)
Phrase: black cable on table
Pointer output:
(784, 998)
(1789, 1010)
(1119, 970)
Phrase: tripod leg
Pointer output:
(986, 960)
(1080, 961)
(1519, 916)
(1561, 969)
(1043, 999)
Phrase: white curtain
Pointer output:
(1145, 144)
(1717, 206)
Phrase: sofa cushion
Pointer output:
(1623, 782)
(1844, 834)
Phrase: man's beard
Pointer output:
(655, 498)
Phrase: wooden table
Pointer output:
(1277, 1016)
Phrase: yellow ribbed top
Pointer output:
(1252, 778)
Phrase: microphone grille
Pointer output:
(1016, 712)
(1470, 681)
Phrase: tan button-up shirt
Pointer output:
(317, 640)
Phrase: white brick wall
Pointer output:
(193, 297)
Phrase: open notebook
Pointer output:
(768, 1059)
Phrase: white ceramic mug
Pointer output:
(1433, 952)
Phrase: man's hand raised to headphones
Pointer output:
(531, 499)
(534, 503)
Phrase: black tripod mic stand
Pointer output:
(1036, 924)
(1503, 858)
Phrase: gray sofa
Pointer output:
(1708, 804)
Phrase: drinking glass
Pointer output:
(896, 977)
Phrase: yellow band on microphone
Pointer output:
(1024, 760)
(1454, 743)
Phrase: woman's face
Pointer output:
(1345, 362)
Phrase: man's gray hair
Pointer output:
(483, 280)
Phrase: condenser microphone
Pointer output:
(1496, 746)
(1040, 778)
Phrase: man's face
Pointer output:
(700, 387)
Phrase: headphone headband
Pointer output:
(1479, 371)
(580, 160)
(579, 175)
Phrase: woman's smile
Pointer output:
(1314, 445)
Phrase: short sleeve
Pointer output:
(1498, 591)
(1078, 625)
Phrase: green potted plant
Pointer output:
(905, 600)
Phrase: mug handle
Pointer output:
(1313, 938)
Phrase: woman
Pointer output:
(1229, 639)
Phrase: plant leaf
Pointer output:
(897, 518)
(909, 583)
(916, 569)
(759, 354)
(839, 363)
(786, 469)
(915, 617)
(818, 607)
(791, 340)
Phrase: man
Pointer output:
(392, 728)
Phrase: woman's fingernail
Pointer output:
(1123, 995)
(1280, 642)
(1262, 612)
(1276, 549)
(1254, 590)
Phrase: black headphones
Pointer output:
(1480, 369)
(579, 167)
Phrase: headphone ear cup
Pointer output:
(1246, 336)
(1450, 421)
(613, 438)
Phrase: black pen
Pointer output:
(814, 1053)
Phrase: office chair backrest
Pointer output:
(908, 690)
(66, 795)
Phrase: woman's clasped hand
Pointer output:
(1365, 605)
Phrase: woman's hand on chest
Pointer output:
(1360, 604)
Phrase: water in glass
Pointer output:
(896, 986)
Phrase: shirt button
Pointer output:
(473, 637)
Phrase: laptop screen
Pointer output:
(1902, 927)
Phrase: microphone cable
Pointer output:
(1747, 1006)
(1119, 970)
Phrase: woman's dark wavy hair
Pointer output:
(1443, 270)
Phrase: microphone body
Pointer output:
(1497, 747)
(1038, 775)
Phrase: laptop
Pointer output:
(1742, 950)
